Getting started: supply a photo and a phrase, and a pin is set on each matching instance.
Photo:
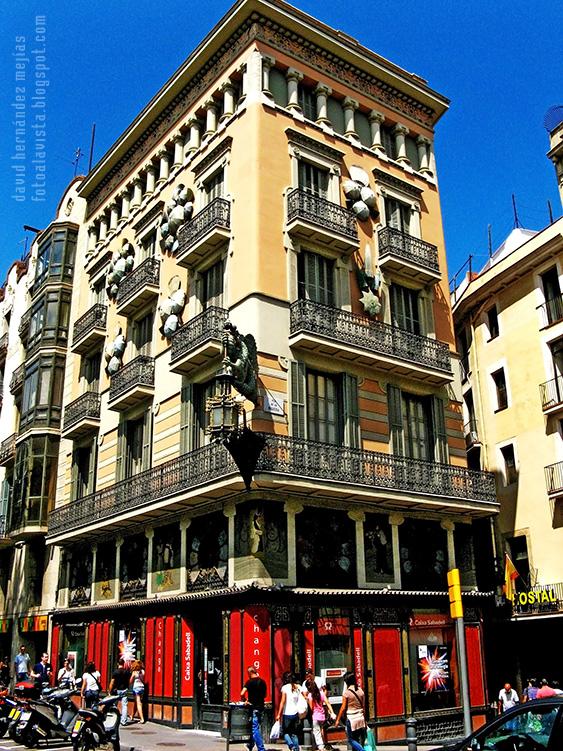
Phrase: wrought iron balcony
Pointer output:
(16, 381)
(284, 463)
(202, 234)
(198, 341)
(7, 450)
(471, 433)
(3, 346)
(132, 384)
(551, 311)
(90, 329)
(554, 479)
(551, 395)
(401, 252)
(339, 333)
(139, 287)
(82, 415)
(316, 218)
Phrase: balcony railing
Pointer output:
(551, 393)
(3, 346)
(95, 318)
(542, 598)
(554, 478)
(551, 311)
(215, 214)
(411, 249)
(146, 274)
(23, 329)
(318, 210)
(203, 327)
(16, 381)
(85, 407)
(139, 372)
(379, 338)
(285, 457)
(7, 449)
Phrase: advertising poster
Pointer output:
(127, 646)
(433, 668)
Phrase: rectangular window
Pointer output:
(90, 371)
(148, 246)
(83, 469)
(201, 393)
(510, 473)
(500, 385)
(388, 142)
(307, 102)
(214, 186)
(518, 548)
(405, 309)
(313, 179)
(417, 427)
(142, 334)
(492, 320)
(315, 278)
(552, 295)
(99, 292)
(398, 215)
(323, 408)
(212, 286)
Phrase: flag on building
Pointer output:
(510, 575)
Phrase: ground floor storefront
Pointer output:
(196, 648)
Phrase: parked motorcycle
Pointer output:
(52, 716)
(7, 704)
(98, 727)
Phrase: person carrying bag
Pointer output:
(353, 701)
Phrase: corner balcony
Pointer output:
(16, 381)
(139, 288)
(551, 395)
(7, 450)
(408, 255)
(28, 520)
(208, 229)
(89, 330)
(82, 416)
(318, 220)
(198, 341)
(286, 465)
(330, 332)
(133, 384)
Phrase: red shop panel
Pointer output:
(187, 660)
(158, 679)
(235, 655)
(282, 659)
(257, 643)
(359, 657)
(389, 699)
(149, 653)
(169, 655)
(475, 666)
(103, 665)
(55, 648)
(90, 634)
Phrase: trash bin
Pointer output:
(239, 724)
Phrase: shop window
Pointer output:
(313, 179)
(499, 379)
(464, 554)
(333, 649)
(433, 665)
(166, 553)
(261, 541)
(423, 553)
(325, 549)
(510, 471)
(105, 573)
(378, 548)
(133, 568)
(208, 552)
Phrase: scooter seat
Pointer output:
(89, 713)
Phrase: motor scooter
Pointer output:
(98, 726)
(7, 704)
(52, 716)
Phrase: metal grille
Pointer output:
(446, 728)
(204, 327)
(318, 210)
(94, 318)
(397, 243)
(139, 372)
(147, 274)
(551, 311)
(86, 406)
(551, 392)
(215, 214)
(373, 336)
(554, 478)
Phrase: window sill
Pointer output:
(500, 409)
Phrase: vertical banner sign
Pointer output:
(475, 666)
(187, 660)
(257, 644)
(149, 651)
(282, 660)
(235, 655)
(103, 664)
(309, 648)
(358, 657)
(158, 656)
(55, 648)
(169, 655)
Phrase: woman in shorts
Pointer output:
(137, 683)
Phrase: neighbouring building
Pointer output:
(274, 211)
(509, 329)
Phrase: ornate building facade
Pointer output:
(274, 211)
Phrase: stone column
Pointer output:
(125, 203)
(149, 534)
(103, 229)
(151, 179)
(228, 100)
(268, 63)
(395, 520)
(164, 168)
(253, 83)
(349, 106)
(117, 580)
(423, 144)
(92, 238)
(400, 132)
(137, 192)
(210, 117)
(195, 135)
(185, 522)
(244, 83)
(449, 526)
(431, 158)
(230, 512)
(375, 121)
(178, 150)
(322, 92)
(114, 216)
(358, 517)
(293, 77)
(292, 508)
(94, 559)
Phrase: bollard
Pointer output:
(411, 733)
(307, 734)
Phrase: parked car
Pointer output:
(533, 726)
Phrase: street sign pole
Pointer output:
(456, 611)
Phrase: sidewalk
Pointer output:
(154, 737)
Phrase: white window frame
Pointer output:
(200, 197)
(298, 153)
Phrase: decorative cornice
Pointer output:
(395, 182)
(213, 155)
(145, 220)
(319, 147)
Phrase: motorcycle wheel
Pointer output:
(30, 739)
(84, 742)
(14, 732)
(3, 728)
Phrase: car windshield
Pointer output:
(529, 730)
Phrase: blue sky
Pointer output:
(499, 62)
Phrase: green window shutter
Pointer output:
(439, 429)
(186, 417)
(297, 396)
(147, 439)
(395, 420)
(92, 466)
(351, 411)
(121, 448)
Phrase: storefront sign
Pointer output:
(257, 641)
(539, 597)
(33, 623)
(187, 660)
(426, 620)
(358, 659)
(5, 624)
(336, 626)
(309, 648)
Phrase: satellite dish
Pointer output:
(553, 117)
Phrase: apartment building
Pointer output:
(509, 328)
(271, 216)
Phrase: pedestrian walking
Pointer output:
(137, 683)
(507, 698)
(353, 700)
(321, 711)
(22, 664)
(120, 682)
(288, 711)
(531, 690)
(91, 686)
(253, 694)
(42, 671)
(545, 690)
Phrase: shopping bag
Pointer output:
(302, 707)
(275, 731)
(370, 740)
